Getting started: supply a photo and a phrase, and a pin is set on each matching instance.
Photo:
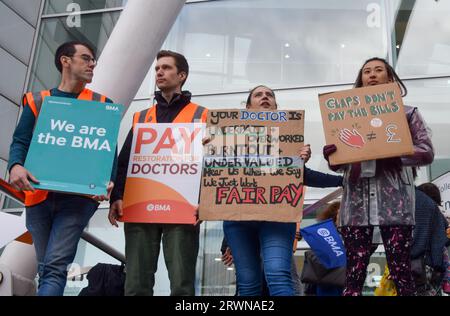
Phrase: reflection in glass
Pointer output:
(11, 204)
(70, 6)
(431, 97)
(216, 278)
(422, 31)
(93, 29)
(234, 45)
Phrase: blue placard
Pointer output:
(73, 145)
(326, 243)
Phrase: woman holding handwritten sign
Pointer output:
(267, 246)
(381, 193)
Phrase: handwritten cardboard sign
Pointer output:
(365, 123)
(163, 178)
(251, 168)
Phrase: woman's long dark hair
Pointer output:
(391, 74)
(390, 164)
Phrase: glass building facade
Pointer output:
(298, 47)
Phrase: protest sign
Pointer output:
(251, 169)
(73, 145)
(443, 183)
(163, 178)
(365, 123)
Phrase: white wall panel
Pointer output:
(27, 9)
(16, 35)
(8, 118)
(12, 76)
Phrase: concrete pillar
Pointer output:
(132, 47)
(19, 259)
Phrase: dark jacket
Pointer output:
(105, 280)
(319, 179)
(165, 113)
(429, 236)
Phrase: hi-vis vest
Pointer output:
(34, 101)
(191, 113)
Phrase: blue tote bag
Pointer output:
(326, 243)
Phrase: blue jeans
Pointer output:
(258, 246)
(56, 226)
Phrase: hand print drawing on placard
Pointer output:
(352, 139)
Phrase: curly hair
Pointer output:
(330, 212)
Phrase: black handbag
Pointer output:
(418, 271)
(314, 272)
(105, 280)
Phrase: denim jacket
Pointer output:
(387, 197)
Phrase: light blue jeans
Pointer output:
(258, 246)
(56, 226)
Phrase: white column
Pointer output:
(18, 260)
(132, 47)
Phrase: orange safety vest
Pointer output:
(189, 114)
(34, 101)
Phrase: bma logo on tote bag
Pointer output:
(325, 241)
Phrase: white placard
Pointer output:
(443, 183)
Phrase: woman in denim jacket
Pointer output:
(381, 193)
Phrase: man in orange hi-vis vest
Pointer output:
(142, 240)
(55, 220)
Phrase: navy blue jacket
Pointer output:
(319, 179)
(429, 237)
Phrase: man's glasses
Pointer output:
(87, 58)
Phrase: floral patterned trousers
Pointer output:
(397, 242)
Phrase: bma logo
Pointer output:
(112, 108)
(323, 232)
(158, 207)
